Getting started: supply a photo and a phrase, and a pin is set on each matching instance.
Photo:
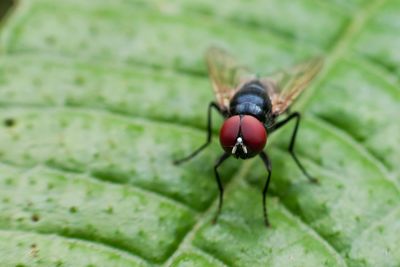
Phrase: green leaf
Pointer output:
(98, 98)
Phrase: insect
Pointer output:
(251, 107)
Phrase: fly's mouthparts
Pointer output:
(239, 141)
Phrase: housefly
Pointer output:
(251, 106)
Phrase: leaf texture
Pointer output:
(97, 99)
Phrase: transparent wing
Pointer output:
(285, 86)
(226, 74)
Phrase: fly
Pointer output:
(251, 107)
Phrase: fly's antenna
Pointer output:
(239, 142)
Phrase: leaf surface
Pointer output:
(97, 99)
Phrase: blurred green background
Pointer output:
(98, 97)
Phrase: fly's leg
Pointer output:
(267, 164)
(219, 182)
(296, 116)
(209, 134)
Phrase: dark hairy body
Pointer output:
(252, 99)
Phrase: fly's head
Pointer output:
(243, 136)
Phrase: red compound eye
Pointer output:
(253, 133)
(229, 133)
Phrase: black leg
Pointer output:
(209, 134)
(294, 115)
(267, 164)
(219, 182)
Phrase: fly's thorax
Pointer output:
(243, 136)
(251, 99)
